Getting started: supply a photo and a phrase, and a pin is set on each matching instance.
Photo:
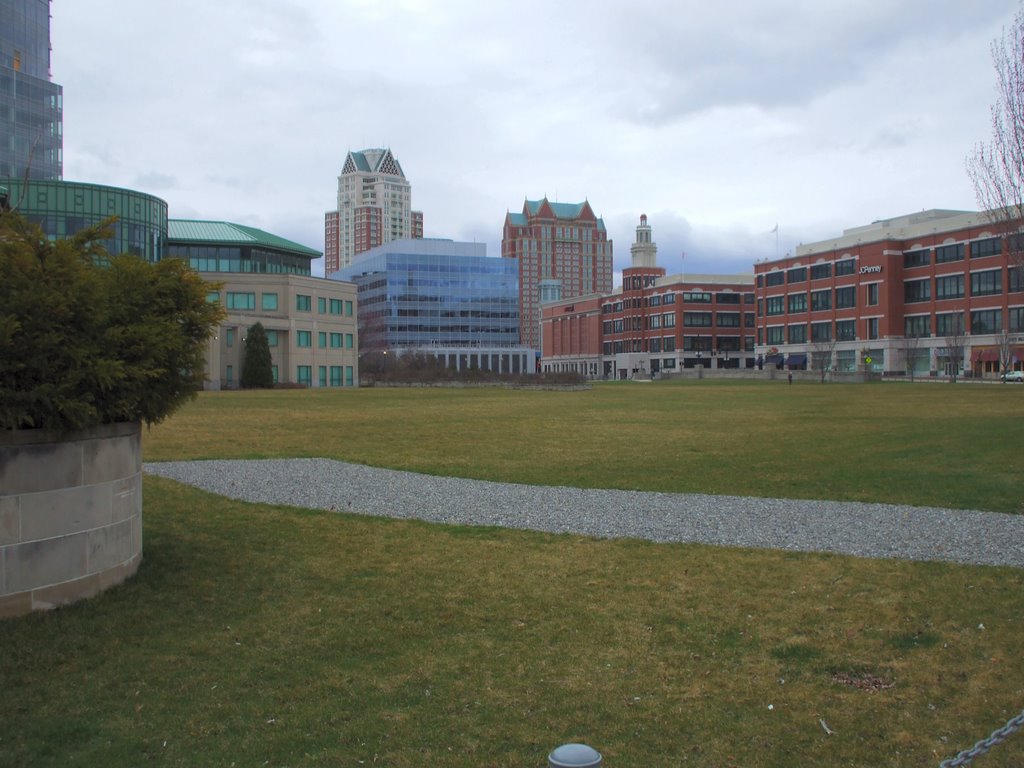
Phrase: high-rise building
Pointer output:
(31, 134)
(374, 207)
(563, 251)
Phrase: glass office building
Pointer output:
(435, 293)
(31, 108)
(64, 208)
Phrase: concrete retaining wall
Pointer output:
(70, 514)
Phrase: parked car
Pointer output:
(1013, 376)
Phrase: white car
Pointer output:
(1013, 376)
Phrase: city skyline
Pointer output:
(718, 124)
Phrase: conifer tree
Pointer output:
(257, 368)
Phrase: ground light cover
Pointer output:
(271, 635)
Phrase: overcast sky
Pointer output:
(718, 120)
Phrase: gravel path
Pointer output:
(863, 530)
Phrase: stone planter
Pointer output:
(70, 514)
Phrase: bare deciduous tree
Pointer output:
(996, 168)
(956, 343)
(822, 353)
(911, 352)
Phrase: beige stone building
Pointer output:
(310, 321)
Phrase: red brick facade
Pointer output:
(918, 294)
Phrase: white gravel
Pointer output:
(863, 530)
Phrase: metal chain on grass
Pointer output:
(998, 736)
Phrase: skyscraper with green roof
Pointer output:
(563, 251)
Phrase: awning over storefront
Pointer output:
(796, 361)
(991, 354)
(774, 359)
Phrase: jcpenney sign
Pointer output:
(869, 270)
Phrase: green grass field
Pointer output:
(944, 445)
(261, 635)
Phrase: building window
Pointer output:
(348, 375)
(668, 320)
(271, 338)
(821, 271)
(337, 306)
(919, 258)
(335, 375)
(654, 321)
(697, 297)
(774, 305)
(821, 300)
(268, 302)
(797, 302)
(697, 319)
(321, 338)
(872, 292)
(322, 375)
(321, 305)
(917, 326)
(797, 275)
(655, 300)
(335, 341)
(821, 331)
(1016, 280)
(949, 287)
(917, 290)
(992, 246)
(947, 253)
(748, 319)
(273, 373)
(303, 339)
(348, 309)
(986, 283)
(229, 337)
(303, 303)
(846, 297)
(845, 267)
(727, 298)
(304, 374)
(241, 300)
(213, 297)
(1016, 319)
(774, 278)
(949, 323)
(987, 321)
(668, 298)
(656, 345)
(229, 374)
(728, 319)
(872, 327)
(668, 344)
(774, 335)
(846, 330)
(798, 334)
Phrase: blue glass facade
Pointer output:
(421, 293)
(31, 108)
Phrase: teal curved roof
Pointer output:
(226, 233)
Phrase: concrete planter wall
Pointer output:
(70, 514)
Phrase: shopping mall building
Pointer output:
(923, 294)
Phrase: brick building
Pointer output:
(563, 252)
(654, 324)
(922, 294)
